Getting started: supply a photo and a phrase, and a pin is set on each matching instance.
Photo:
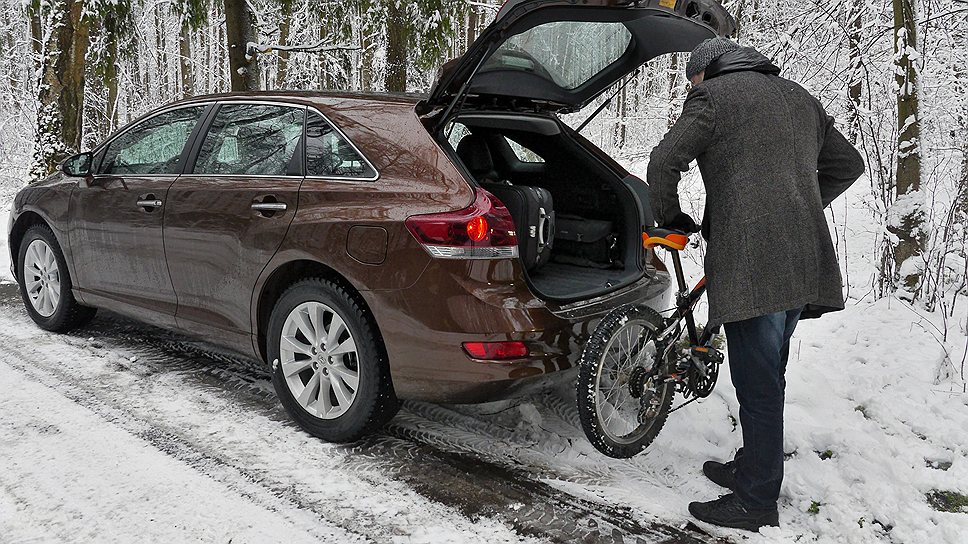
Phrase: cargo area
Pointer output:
(596, 245)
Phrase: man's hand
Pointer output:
(684, 223)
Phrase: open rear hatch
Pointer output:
(559, 55)
(544, 57)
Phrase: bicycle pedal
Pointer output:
(707, 354)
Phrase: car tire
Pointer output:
(45, 283)
(332, 379)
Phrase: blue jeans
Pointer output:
(758, 352)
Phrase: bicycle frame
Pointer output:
(686, 301)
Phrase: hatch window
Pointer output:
(567, 52)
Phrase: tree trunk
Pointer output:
(60, 117)
(111, 83)
(239, 32)
(473, 21)
(161, 65)
(285, 20)
(856, 63)
(911, 238)
(674, 68)
(185, 60)
(397, 38)
(36, 33)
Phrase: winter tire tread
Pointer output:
(379, 403)
(69, 314)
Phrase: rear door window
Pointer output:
(329, 154)
(252, 140)
(153, 146)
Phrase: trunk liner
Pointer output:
(558, 280)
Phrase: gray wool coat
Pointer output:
(771, 160)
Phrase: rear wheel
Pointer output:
(329, 368)
(622, 409)
(45, 283)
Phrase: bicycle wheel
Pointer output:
(622, 409)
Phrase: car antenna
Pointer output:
(605, 104)
(462, 94)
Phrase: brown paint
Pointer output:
(200, 264)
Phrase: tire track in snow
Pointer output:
(437, 450)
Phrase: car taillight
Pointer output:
(496, 351)
(484, 230)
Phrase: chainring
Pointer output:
(699, 385)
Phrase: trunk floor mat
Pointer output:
(564, 280)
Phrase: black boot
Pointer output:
(722, 474)
(728, 511)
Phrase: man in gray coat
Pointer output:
(771, 160)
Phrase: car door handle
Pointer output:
(149, 202)
(270, 206)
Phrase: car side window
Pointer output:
(524, 154)
(252, 139)
(330, 155)
(153, 146)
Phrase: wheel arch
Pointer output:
(289, 273)
(23, 222)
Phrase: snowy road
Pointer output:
(122, 432)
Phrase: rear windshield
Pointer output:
(567, 52)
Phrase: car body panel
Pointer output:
(116, 240)
(486, 301)
(217, 245)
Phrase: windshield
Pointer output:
(570, 53)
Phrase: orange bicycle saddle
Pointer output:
(668, 238)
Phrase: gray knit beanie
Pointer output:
(706, 52)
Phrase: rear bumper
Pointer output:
(425, 325)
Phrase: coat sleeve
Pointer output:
(839, 164)
(685, 141)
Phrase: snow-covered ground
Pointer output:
(125, 433)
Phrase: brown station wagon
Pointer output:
(355, 242)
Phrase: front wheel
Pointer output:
(329, 367)
(621, 407)
(45, 283)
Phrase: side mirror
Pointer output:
(79, 165)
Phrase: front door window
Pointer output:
(152, 147)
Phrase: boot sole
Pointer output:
(746, 526)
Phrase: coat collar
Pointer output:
(744, 59)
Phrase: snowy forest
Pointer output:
(893, 72)
(125, 432)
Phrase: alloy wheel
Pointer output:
(319, 360)
(42, 278)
